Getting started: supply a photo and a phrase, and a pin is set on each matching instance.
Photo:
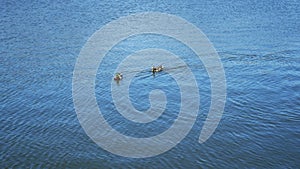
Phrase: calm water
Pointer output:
(259, 45)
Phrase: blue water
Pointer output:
(258, 43)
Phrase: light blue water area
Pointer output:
(259, 46)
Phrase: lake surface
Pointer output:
(258, 43)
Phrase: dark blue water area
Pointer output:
(258, 43)
(139, 97)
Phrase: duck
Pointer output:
(118, 76)
(157, 69)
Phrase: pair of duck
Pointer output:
(119, 76)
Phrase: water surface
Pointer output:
(259, 45)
